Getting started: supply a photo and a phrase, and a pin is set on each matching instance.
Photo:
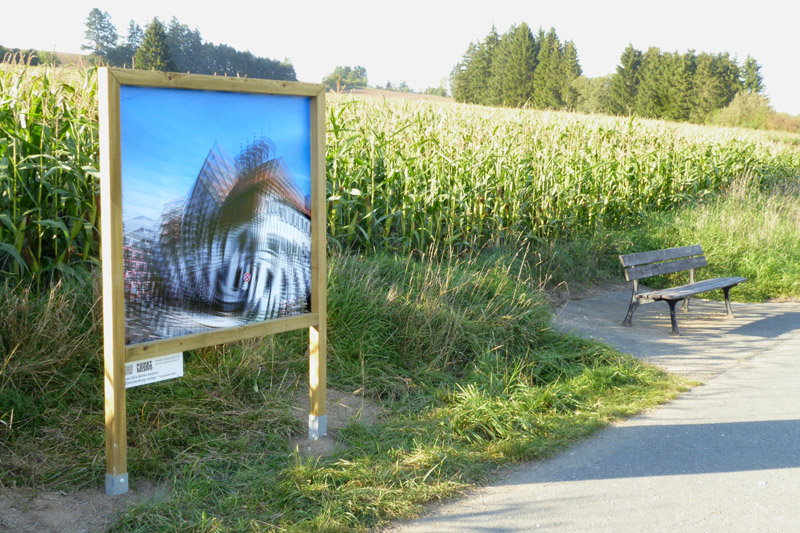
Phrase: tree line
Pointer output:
(682, 87)
(28, 57)
(174, 47)
(539, 70)
(518, 68)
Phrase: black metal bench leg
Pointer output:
(631, 309)
(726, 291)
(634, 303)
(685, 306)
(673, 319)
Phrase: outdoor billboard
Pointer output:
(212, 224)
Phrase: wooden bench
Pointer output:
(658, 262)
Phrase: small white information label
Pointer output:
(153, 370)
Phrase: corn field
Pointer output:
(48, 169)
(408, 175)
(402, 175)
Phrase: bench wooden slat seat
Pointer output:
(691, 289)
(658, 262)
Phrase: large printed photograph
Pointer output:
(215, 209)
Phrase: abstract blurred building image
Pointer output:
(235, 250)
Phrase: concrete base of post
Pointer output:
(116, 485)
(317, 426)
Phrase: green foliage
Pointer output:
(747, 110)
(344, 77)
(185, 46)
(676, 86)
(594, 95)
(547, 82)
(470, 79)
(154, 52)
(715, 85)
(570, 72)
(752, 81)
(441, 90)
(664, 86)
(513, 64)
(625, 83)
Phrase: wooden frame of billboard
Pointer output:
(116, 354)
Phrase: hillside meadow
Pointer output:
(448, 226)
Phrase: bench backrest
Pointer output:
(658, 262)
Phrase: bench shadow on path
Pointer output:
(710, 342)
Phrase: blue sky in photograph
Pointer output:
(166, 135)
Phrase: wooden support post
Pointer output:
(113, 295)
(318, 335)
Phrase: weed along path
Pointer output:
(722, 457)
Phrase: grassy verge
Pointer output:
(748, 230)
(457, 351)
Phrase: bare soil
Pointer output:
(29, 510)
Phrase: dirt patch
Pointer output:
(29, 510)
(342, 409)
(560, 295)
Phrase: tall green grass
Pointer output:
(48, 168)
(748, 230)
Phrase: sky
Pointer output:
(166, 135)
(420, 42)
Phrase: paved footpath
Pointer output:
(723, 457)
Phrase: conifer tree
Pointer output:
(185, 47)
(571, 71)
(123, 54)
(135, 35)
(548, 79)
(624, 83)
(678, 77)
(716, 82)
(513, 65)
(461, 79)
(752, 80)
(101, 35)
(154, 54)
(471, 78)
(651, 91)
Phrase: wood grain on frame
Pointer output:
(113, 287)
(318, 335)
